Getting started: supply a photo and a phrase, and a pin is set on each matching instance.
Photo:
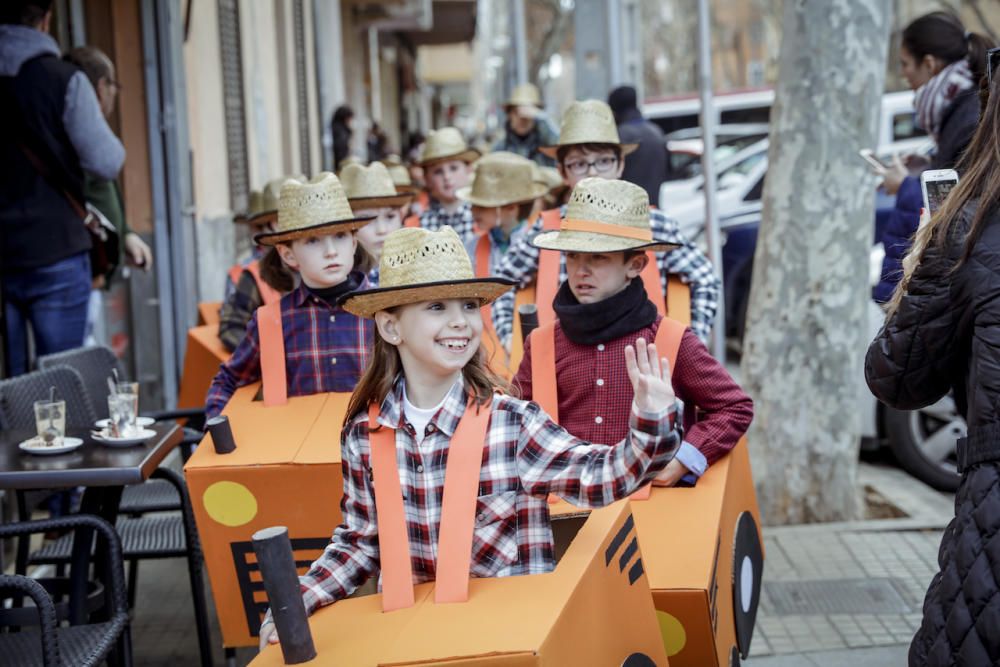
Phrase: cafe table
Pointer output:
(103, 471)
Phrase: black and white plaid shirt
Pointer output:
(521, 264)
(435, 217)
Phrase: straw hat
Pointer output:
(263, 204)
(371, 187)
(392, 160)
(310, 206)
(547, 176)
(525, 95)
(446, 144)
(419, 265)
(588, 122)
(604, 216)
(501, 179)
(400, 176)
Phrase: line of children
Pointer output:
(372, 194)
(589, 146)
(602, 307)
(446, 161)
(325, 348)
(427, 386)
(249, 285)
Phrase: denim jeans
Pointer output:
(54, 300)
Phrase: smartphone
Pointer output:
(935, 185)
(869, 156)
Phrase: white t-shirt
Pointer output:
(419, 417)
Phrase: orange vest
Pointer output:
(267, 293)
(543, 369)
(458, 509)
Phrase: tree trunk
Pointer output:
(806, 327)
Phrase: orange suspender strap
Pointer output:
(678, 300)
(412, 221)
(651, 281)
(458, 509)
(543, 370)
(234, 273)
(483, 257)
(272, 354)
(490, 342)
(267, 293)
(547, 277)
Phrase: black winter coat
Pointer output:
(946, 336)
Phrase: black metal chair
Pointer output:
(51, 645)
(165, 535)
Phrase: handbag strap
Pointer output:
(47, 174)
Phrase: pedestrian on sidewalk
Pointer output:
(647, 165)
(527, 128)
(942, 335)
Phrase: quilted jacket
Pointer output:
(946, 336)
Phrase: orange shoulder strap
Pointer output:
(543, 369)
(678, 300)
(547, 278)
(458, 509)
(234, 273)
(651, 281)
(272, 354)
(483, 257)
(412, 221)
(267, 293)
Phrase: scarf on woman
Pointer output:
(614, 317)
(934, 97)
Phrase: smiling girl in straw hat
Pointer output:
(372, 193)
(325, 349)
(446, 161)
(440, 464)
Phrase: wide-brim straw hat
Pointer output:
(446, 144)
(604, 216)
(306, 208)
(371, 187)
(588, 122)
(420, 265)
(549, 177)
(263, 203)
(525, 95)
(401, 179)
(501, 179)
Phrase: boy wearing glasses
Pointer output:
(589, 146)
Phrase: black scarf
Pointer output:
(616, 316)
(333, 294)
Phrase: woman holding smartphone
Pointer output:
(944, 65)
(942, 335)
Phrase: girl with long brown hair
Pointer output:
(429, 420)
(943, 334)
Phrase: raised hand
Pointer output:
(650, 377)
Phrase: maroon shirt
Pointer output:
(595, 395)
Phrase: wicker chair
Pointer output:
(171, 535)
(78, 645)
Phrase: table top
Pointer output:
(93, 464)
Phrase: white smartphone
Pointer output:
(868, 155)
(935, 185)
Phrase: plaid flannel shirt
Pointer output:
(526, 457)
(595, 394)
(435, 217)
(237, 309)
(521, 265)
(326, 349)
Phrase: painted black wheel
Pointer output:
(638, 660)
(748, 566)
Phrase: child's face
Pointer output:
(324, 260)
(595, 276)
(488, 217)
(434, 338)
(372, 235)
(444, 178)
(578, 164)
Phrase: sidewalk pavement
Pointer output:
(846, 594)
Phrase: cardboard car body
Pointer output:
(202, 357)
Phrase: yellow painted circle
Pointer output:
(230, 503)
(674, 636)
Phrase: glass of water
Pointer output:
(50, 421)
(122, 413)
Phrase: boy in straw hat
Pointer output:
(372, 194)
(446, 161)
(502, 195)
(589, 146)
(429, 420)
(527, 128)
(602, 309)
(325, 348)
(248, 286)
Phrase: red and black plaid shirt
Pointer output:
(595, 393)
(326, 349)
(526, 457)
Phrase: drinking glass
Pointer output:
(50, 420)
(121, 412)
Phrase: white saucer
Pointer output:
(141, 422)
(140, 437)
(37, 446)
